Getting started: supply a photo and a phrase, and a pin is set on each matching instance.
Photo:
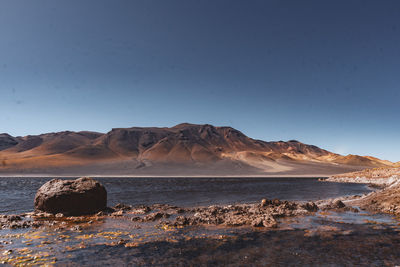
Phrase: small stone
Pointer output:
(14, 218)
(100, 213)
(180, 211)
(270, 223)
(117, 213)
(265, 202)
(120, 206)
(310, 206)
(76, 228)
(276, 201)
(7, 252)
(258, 222)
(338, 204)
(181, 220)
(154, 216)
(121, 242)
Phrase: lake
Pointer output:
(17, 194)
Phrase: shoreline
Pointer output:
(384, 181)
(385, 199)
(323, 176)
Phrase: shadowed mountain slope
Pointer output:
(183, 149)
(7, 141)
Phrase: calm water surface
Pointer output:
(17, 194)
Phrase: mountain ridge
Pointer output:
(180, 149)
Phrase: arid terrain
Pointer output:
(185, 149)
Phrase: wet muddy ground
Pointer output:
(319, 238)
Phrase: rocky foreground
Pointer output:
(264, 214)
(384, 200)
(115, 237)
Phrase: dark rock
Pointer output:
(352, 209)
(120, 206)
(265, 202)
(14, 218)
(181, 221)
(15, 222)
(258, 215)
(232, 220)
(109, 210)
(180, 211)
(276, 202)
(136, 219)
(258, 222)
(100, 213)
(144, 209)
(155, 216)
(162, 206)
(268, 222)
(338, 204)
(71, 197)
(76, 228)
(310, 206)
(117, 213)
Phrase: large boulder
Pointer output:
(71, 197)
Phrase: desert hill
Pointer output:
(185, 149)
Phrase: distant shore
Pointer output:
(166, 176)
(378, 176)
(385, 199)
(362, 180)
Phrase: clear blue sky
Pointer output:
(323, 72)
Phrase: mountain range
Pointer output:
(185, 149)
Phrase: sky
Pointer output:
(322, 72)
